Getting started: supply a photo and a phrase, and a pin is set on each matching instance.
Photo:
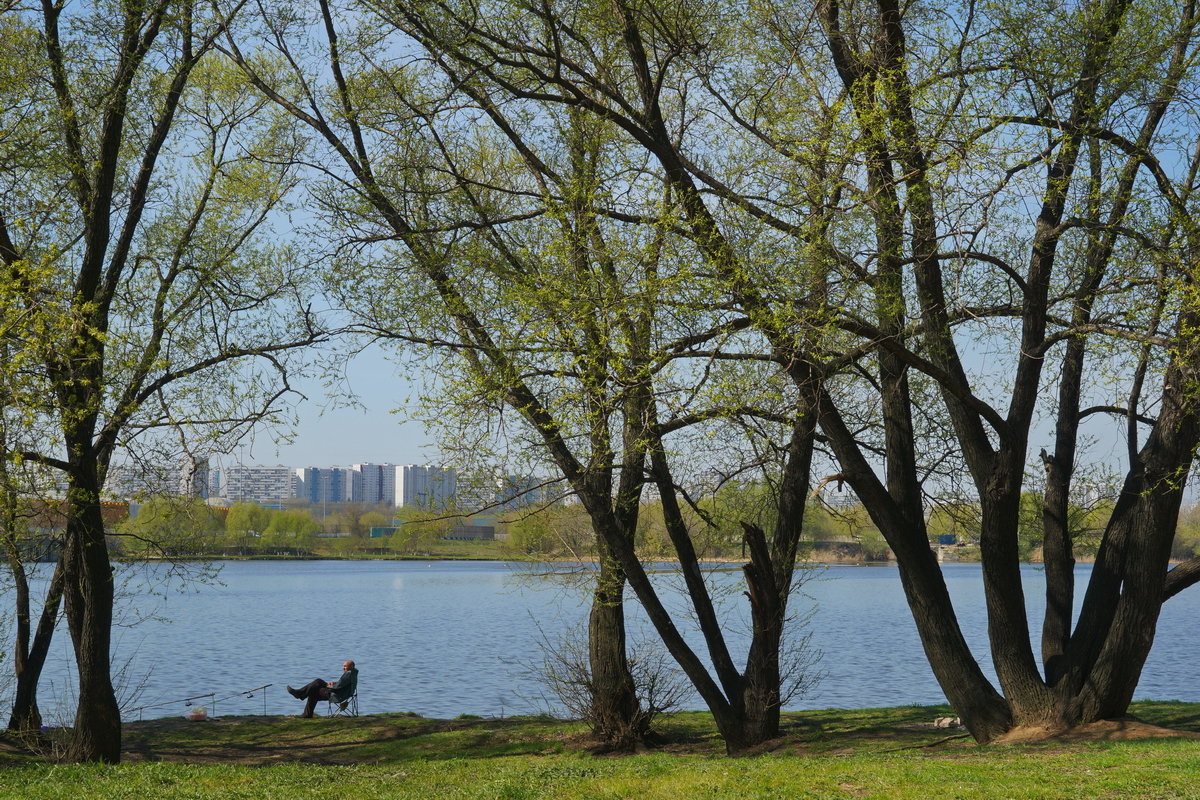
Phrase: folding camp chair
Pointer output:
(347, 707)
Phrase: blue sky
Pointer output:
(328, 435)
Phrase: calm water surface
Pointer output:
(450, 638)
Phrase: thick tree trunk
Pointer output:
(617, 716)
(88, 595)
(761, 695)
(982, 709)
(1008, 624)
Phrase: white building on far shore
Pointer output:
(424, 486)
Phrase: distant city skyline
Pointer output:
(382, 484)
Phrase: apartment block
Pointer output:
(378, 483)
(418, 485)
(329, 484)
(258, 484)
(424, 486)
(495, 492)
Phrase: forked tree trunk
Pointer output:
(29, 652)
(770, 575)
(1121, 608)
(745, 704)
(762, 690)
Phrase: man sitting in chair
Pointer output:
(340, 691)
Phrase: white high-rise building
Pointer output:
(374, 484)
(138, 481)
(141, 481)
(377, 483)
(424, 486)
(352, 483)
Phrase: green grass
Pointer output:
(873, 753)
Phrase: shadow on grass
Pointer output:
(1172, 714)
(397, 738)
(374, 739)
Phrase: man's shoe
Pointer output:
(295, 693)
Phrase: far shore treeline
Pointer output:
(176, 527)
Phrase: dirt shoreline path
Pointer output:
(371, 739)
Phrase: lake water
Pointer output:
(449, 638)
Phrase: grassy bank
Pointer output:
(879, 753)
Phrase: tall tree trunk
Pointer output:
(1058, 552)
(1008, 624)
(761, 695)
(617, 716)
(770, 575)
(88, 595)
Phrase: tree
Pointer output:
(1094, 141)
(245, 523)
(373, 519)
(893, 151)
(418, 530)
(371, 135)
(558, 530)
(291, 530)
(368, 520)
(948, 126)
(132, 240)
(735, 502)
(613, 81)
(170, 526)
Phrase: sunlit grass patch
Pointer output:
(867, 753)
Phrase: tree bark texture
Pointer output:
(29, 651)
(88, 600)
(617, 716)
